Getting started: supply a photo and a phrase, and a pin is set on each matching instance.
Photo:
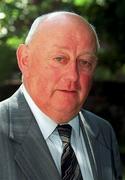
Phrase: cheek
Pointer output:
(51, 74)
(85, 83)
(47, 78)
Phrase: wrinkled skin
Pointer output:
(58, 65)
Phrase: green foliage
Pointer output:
(106, 15)
(82, 2)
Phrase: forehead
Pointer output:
(65, 29)
(63, 21)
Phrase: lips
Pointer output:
(68, 91)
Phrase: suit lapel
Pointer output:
(31, 152)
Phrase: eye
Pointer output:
(88, 65)
(85, 63)
(59, 58)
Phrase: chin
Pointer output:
(68, 109)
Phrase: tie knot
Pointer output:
(65, 132)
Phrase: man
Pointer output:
(57, 62)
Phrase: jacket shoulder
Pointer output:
(101, 127)
(4, 110)
(94, 119)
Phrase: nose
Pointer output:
(72, 72)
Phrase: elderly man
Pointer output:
(44, 132)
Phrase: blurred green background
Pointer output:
(107, 97)
(108, 17)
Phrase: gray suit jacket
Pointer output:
(24, 154)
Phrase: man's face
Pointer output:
(61, 62)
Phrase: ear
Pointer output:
(22, 57)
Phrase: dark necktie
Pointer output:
(69, 164)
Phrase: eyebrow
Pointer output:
(89, 53)
(84, 52)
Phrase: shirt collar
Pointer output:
(46, 124)
(75, 125)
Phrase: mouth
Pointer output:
(68, 91)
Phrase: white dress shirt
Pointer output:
(52, 138)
